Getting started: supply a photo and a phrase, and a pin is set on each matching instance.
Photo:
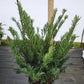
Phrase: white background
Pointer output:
(38, 10)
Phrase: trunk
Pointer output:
(50, 9)
(50, 14)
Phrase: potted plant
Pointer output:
(41, 62)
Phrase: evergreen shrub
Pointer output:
(76, 44)
(37, 58)
(4, 42)
(1, 33)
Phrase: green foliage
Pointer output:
(40, 61)
(76, 44)
(4, 42)
(82, 45)
(1, 32)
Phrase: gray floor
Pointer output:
(7, 75)
(74, 74)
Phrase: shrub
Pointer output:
(1, 32)
(36, 57)
(76, 44)
(4, 42)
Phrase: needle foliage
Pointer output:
(36, 57)
(1, 31)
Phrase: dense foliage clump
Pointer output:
(40, 60)
(1, 31)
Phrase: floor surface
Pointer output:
(74, 73)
